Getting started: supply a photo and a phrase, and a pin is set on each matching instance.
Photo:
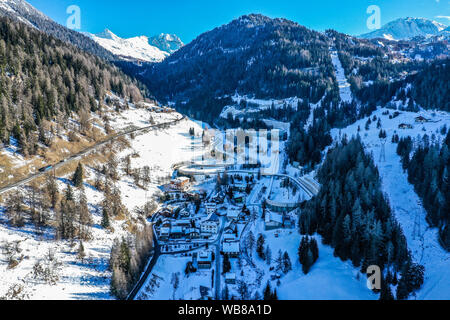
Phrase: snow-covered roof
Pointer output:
(229, 237)
(164, 230)
(176, 229)
(231, 247)
(230, 276)
(271, 216)
(192, 230)
(204, 256)
(212, 218)
(233, 213)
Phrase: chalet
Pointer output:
(210, 225)
(164, 233)
(230, 278)
(204, 260)
(421, 119)
(176, 232)
(192, 233)
(184, 223)
(181, 183)
(211, 208)
(230, 237)
(405, 126)
(273, 221)
(231, 249)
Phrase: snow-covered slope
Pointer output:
(406, 205)
(16, 8)
(140, 48)
(407, 28)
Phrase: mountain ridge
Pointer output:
(22, 11)
(406, 28)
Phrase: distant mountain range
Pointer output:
(140, 48)
(105, 45)
(22, 11)
(407, 28)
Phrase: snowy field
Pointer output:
(159, 285)
(344, 87)
(328, 279)
(422, 240)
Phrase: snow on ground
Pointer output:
(329, 278)
(285, 195)
(256, 105)
(159, 285)
(422, 240)
(89, 279)
(344, 87)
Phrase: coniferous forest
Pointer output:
(428, 168)
(353, 216)
(43, 78)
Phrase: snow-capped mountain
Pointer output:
(22, 11)
(166, 42)
(17, 8)
(140, 48)
(407, 28)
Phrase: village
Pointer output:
(204, 219)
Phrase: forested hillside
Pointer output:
(353, 216)
(255, 55)
(378, 74)
(22, 11)
(45, 79)
(429, 171)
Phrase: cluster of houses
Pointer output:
(189, 228)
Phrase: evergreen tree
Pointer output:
(260, 246)
(78, 176)
(105, 219)
(226, 267)
(267, 295)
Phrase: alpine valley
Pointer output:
(108, 190)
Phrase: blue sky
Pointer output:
(190, 18)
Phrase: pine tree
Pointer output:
(69, 193)
(267, 295)
(226, 264)
(78, 176)
(105, 219)
(260, 246)
(287, 265)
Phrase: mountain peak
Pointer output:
(107, 34)
(166, 42)
(407, 28)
